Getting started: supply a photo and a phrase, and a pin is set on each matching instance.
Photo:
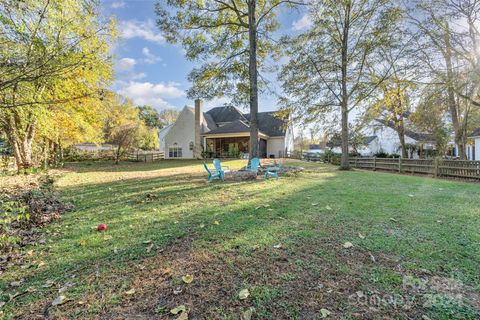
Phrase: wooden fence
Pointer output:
(436, 167)
(146, 156)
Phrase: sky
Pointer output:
(151, 71)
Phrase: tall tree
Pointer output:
(332, 64)
(393, 107)
(48, 58)
(447, 42)
(232, 39)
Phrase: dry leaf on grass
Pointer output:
(243, 294)
(361, 236)
(216, 222)
(347, 245)
(328, 207)
(247, 314)
(59, 300)
(325, 313)
(187, 278)
(107, 237)
(130, 292)
(178, 309)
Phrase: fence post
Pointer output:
(356, 162)
(374, 163)
(435, 167)
(400, 164)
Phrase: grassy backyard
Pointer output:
(415, 246)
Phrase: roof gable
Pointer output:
(225, 114)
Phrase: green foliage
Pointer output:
(216, 33)
(11, 211)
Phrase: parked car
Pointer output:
(314, 155)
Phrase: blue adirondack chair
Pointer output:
(272, 171)
(219, 168)
(254, 165)
(213, 173)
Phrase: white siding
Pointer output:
(161, 136)
(387, 140)
(182, 133)
(276, 147)
(477, 148)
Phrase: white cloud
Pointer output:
(303, 23)
(138, 76)
(150, 58)
(126, 64)
(146, 93)
(118, 4)
(140, 29)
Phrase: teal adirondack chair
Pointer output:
(272, 171)
(219, 168)
(213, 173)
(254, 165)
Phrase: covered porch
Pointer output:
(231, 146)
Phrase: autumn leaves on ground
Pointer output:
(319, 244)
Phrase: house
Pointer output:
(473, 145)
(381, 137)
(223, 132)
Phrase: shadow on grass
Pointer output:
(163, 211)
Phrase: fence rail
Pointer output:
(146, 156)
(437, 167)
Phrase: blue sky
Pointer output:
(150, 71)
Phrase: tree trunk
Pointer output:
(401, 137)
(21, 140)
(253, 78)
(452, 103)
(344, 164)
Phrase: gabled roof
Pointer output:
(235, 122)
(225, 114)
(237, 126)
(270, 124)
(369, 139)
(475, 133)
(418, 136)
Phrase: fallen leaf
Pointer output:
(107, 237)
(178, 309)
(243, 294)
(216, 222)
(314, 204)
(147, 241)
(30, 252)
(359, 294)
(202, 226)
(411, 195)
(48, 284)
(59, 300)
(183, 316)
(247, 314)
(372, 257)
(361, 236)
(187, 278)
(393, 220)
(328, 207)
(178, 290)
(130, 292)
(2, 303)
(278, 246)
(347, 245)
(82, 243)
(325, 313)
(149, 248)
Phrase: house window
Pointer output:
(175, 152)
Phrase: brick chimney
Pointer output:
(197, 149)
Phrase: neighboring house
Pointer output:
(92, 147)
(223, 132)
(382, 138)
(473, 146)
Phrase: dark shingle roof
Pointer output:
(208, 123)
(225, 114)
(268, 122)
(237, 126)
(475, 133)
(369, 139)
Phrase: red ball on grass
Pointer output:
(102, 227)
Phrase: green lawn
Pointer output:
(416, 246)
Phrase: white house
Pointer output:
(473, 146)
(381, 137)
(223, 132)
